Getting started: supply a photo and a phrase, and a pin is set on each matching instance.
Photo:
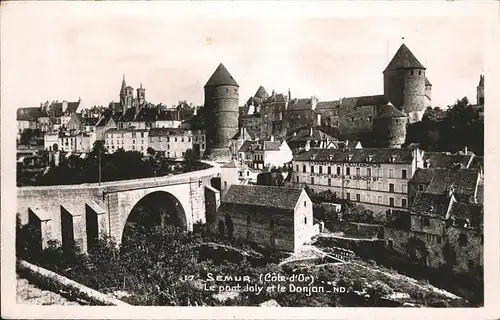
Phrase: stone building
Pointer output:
(126, 139)
(265, 154)
(302, 113)
(80, 142)
(220, 113)
(235, 172)
(275, 217)
(238, 140)
(389, 126)
(305, 139)
(273, 115)
(374, 178)
(405, 84)
(170, 142)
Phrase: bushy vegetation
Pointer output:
(450, 130)
(119, 165)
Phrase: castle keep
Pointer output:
(405, 84)
(220, 113)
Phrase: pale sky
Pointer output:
(62, 51)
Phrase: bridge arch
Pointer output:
(158, 207)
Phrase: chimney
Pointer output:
(289, 94)
(311, 132)
(273, 94)
(318, 119)
(272, 138)
(465, 150)
(242, 131)
(295, 133)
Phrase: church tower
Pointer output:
(220, 113)
(405, 84)
(141, 95)
(480, 91)
(126, 96)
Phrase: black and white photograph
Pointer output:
(236, 154)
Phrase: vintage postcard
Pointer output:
(249, 159)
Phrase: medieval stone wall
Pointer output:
(221, 115)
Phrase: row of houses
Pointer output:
(436, 200)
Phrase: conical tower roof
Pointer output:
(389, 111)
(404, 59)
(221, 77)
(481, 81)
(261, 93)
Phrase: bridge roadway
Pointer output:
(77, 212)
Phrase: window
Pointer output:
(175, 139)
(297, 168)
(329, 182)
(305, 220)
(248, 219)
(419, 73)
(380, 200)
(358, 171)
(368, 198)
(142, 134)
(312, 180)
(348, 196)
(411, 72)
(358, 197)
(225, 184)
(370, 118)
(338, 170)
(380, 186)
(297, 179)
(320, 169)
(305, 203)
(133, 141)
(369, 172)
(304, 168)
(403, 188)
(391, 201)
(403, 203)
(248, 173)
(182, 139)
(168, 146)
(403, 174)
(391, 187)
(420, 187)
(312, 169)
(391, 173)
(352, 119)
(348, 171)
(241, 174)
(329, 170)
(271, 223)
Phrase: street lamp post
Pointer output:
(99, 161)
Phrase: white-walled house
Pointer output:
(261, 154)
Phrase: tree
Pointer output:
(191, 159)
(151, 151)
(229, 224)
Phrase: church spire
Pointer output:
(124, 84)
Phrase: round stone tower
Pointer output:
(404, 84)
(220, 113)
(389, 126)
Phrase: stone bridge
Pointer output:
(78, 213)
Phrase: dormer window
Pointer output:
(369, 158)
(392, 158)
(349, 157)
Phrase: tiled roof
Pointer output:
(29, 114)
(243, 135)
(271, 145)
(431, 204)
(221, 77)
(165, 116)
(305, 135)
(464, 181)
(249, 146)
(300, 104)
(72, 107)
(466, 211)
(374, 100)
(156, 132)
(378, 155)
(389, 111)
(89, 121)
(423, 176)
(263, 196)
(446, 160)
(115, 106)
(404, 59)
(278, 97)
(261, 93)
(115, 130)
(129, 115)
(147, 115)
(427, 82)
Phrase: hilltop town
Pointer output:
(361, 181)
